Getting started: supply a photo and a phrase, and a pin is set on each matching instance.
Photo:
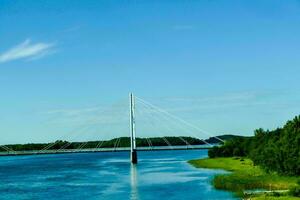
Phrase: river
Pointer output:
(108, 176)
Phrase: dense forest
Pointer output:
(116, 142)
(275, 151)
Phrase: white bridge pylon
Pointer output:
(133, 149)
(107, 122)
(133, 153)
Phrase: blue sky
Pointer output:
(225, 66)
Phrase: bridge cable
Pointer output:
(162, 113)
(154, 125)
(84, 126)
(138, 111)
(179, 119)
(169, 127)
(8, 149)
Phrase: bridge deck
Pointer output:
(63, 151)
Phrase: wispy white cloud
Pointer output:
(27, 50)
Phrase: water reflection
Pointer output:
(133, 183)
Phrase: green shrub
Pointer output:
(295, 191)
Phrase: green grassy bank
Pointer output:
(246, 176)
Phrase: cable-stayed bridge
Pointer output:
(139, 117)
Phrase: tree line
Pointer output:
(275, 151)
(116, 142)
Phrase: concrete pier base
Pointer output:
(134, 157)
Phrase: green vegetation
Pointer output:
(275, 151)
(295, 191)
(245, 176)
(269, 160)
(273, 197)
(116, 142)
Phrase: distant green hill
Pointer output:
(214, 140)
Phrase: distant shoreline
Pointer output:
(120, 142)
(119, 149)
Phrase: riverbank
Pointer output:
(245, 176)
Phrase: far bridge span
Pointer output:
(133, 148)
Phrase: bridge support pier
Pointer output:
(134, 157)
(133, 152)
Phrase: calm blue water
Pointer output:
(159, 175)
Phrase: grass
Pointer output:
(266, 197)
(245, 176)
